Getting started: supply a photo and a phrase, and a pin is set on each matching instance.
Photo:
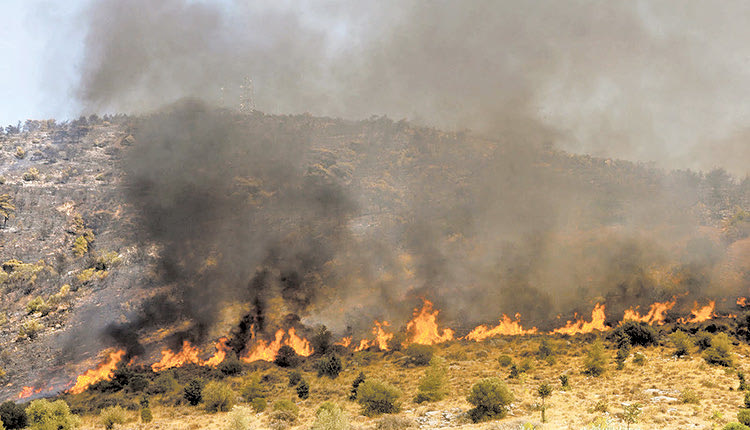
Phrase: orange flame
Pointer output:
(345, 342)
(267, 351)
(581, 326)
(103, 371)
(655, 315)
(506, 327)
(221, 352)
(381, 339)
(700, 314)
(170, 359)
(742, 301)
(423, 328)
(27, 392)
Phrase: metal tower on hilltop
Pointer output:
(247, 100)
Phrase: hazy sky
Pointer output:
(642, 80)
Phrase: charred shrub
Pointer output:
(634, 333)
(377, 397)
(287, 357)
(329, 366)
(491, 398)
(13, 416)
(193, 392)
(418, 355)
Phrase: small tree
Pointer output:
(596, 359)
(631, 413)
(13, 415)
(544, 391)
(433, 386)
(720, 351)
(193, 392)
(491, 398)
(303, 390)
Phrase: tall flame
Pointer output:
(170, 359)
(700, 314)
(103, 371)
(267, 351)
(381, 339)
(221, 352)
(423, 327)
(581, 326)
(345, 342)
(742, 301)
(655, 315)
(506, 327)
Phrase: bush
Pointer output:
(294, 377)
(329, 416)
(285, 410)
(596, 359)
(231, 366)
(45, 415)
(689, 396)
(112, 415)
(218, 397)
(377, 397)
(164, 383)
(743, 416)
(355, 385)
(329, 366)
(38, 305)
(193, 392)
(564, 382)
(433, 386)
(303, 390)
(747, 399)
(735, 426)
(253, 390)
(545, 350)
(491, 398)
(720, 352)
(639, 359)
(703, 340)
(287, 357)
(321, 341)
(394, 423)
(31, 175)
(743, 384)
(13, 415)
(239, 418)
(505, 360)
(681, 343)
(418, 355)
(146, 415)
(634, 333)
(259, 404)
(30, 330)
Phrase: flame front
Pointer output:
(26, 392)
(170, 359)
(655, 315)
(221, 352)
(423, 328)
(345, 342)
(581, 326)
(506, 327)
(381, 337)
(103, 371)
(742, 301)
(267, 351)
(700, 314)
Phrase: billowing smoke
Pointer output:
(339, 222)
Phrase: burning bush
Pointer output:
(377, 397)
(112, 415)
(720, 352)
(44, 415)
(491, 398)
(218, 397)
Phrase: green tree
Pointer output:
(596, 359)
(544, 391)
(45, 415)
(491, 398)
(7, 209)
(433, 386)
(631, 413)
(193, 392)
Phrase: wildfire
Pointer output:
(267, 351)
(381, 340)
(655, 315)
(701, 314)
(221, 352)
(742, 301)
(28, 392)
(190, 354)
(345, 342)
(103, 371)
(506, 327)
(581, 326)
(423, 328)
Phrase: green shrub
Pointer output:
(285, 410)
(418, 355)
(218, 397)
(329, 416)
(303, 390)
(622, 354)
(45, 415)
(355, 385)
(634, 333)
(193, 391)
(564, 382)
(631, 413)
(377, 397)
(30, 330)
(720, 351)
(743, 384)
(287, 357)
(505, 360)
(231, 366)
(747, 399)
(146, 415)
(253, 389)
(689, 396)
(38, 305)
(13, 415)
(112, 415)
(164, 383)
(31, 175)
(294, 377)
(329, 366)
(491, 398)
(735, 426)
(259, 404)
(681, 343)
(596, 359)
(743, 416)
(433, 386)
(639, 359)
(239, 418)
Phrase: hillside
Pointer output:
(172, 230)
